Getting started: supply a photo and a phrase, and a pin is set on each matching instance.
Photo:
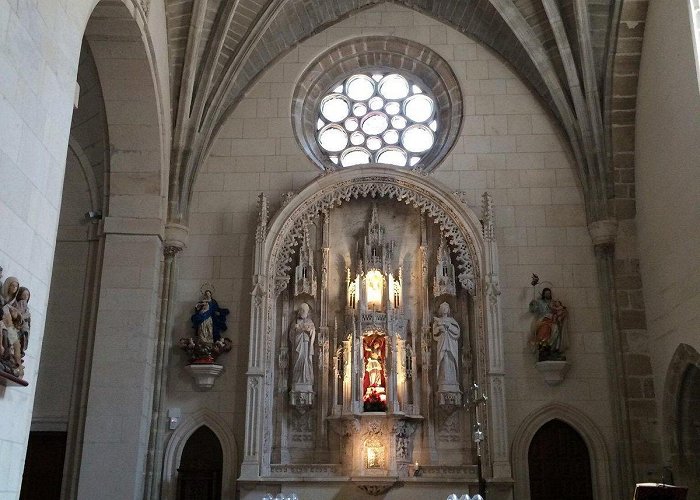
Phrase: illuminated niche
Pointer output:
(374, 313)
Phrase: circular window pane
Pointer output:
(393, 108)
(335, 108)
(418, 107)
(374, 123)
(398, 122)
(357, 138)
(376, 103)
(351, 124)
(391, 136)
(355, 156)
(333, 138)
(394, 87)
(392, 156)
(359, 109)
(359, 87)
(374, 143)
(417, 138)
(385, 118)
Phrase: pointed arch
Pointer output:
(684, 358)
(178, 440)
(600, 461)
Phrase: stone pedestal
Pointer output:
(553, 371)
(204, 375)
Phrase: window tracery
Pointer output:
(377, 117)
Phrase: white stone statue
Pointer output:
(302, 335)
(446, 332)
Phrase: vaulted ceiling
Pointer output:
(562, 48)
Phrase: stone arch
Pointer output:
(371, 53)
(178, 440)
(684, 359)
(459, 224)
(600, 461)
(275, 242)
(135, 109)
(137, 127)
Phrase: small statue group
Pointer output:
(548, 325)
(208, 321)
(14, 326)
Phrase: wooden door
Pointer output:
(559, 463)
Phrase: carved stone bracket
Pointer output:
(204, 375)
(376, 488)
(449, 400)
(553, 371)
(302, 401)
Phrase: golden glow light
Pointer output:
(374, 457)
(375, 288)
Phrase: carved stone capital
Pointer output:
(176, 236)
(603, 232)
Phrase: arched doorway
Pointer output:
(201, 467)
(688, 430)
(559, 464)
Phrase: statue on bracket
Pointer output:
(208, 321)
(446, 332)
(15, 322)
(302, 335)
(547, 325)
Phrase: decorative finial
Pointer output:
(487, 217)
(262, 218)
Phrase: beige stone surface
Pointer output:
(668, 188)
(508, 146)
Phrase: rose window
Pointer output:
(376, 118)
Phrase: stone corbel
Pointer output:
(603, 232)
(204, 375)
(553, 371)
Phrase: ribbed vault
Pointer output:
(560, 48)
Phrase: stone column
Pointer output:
(176, 237)
(498, 427)
(603, 234)
(118, 415)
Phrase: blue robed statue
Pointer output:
(209, 320)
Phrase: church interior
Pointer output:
(349, 249)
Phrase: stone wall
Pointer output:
(41, 46)
(668, 186)
(508, 146)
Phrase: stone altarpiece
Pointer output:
(391, 287)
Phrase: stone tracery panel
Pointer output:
(279, 422)
(374, 187)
